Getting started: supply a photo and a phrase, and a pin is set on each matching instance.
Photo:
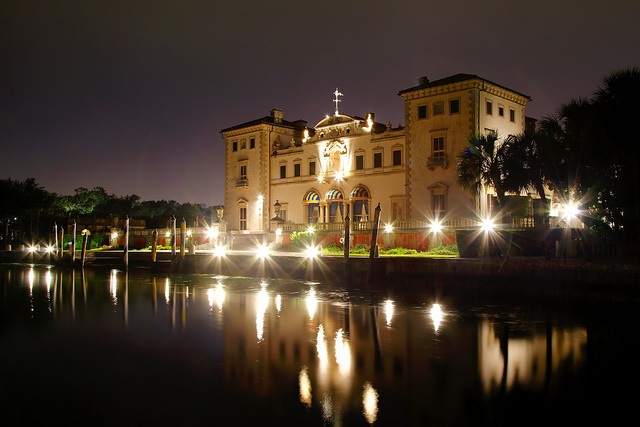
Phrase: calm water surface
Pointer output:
(122, 348)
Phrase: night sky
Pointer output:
(132, 95)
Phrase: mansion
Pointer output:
(283, 176)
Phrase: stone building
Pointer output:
(285, 175)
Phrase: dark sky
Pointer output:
(132, 95)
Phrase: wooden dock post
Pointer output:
(85, 237)
(126, 242)
(173, 237)
(60, 248)
(373, 251)
(154, 247)
(183, 232)
(72, 247)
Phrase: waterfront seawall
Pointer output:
(605, 280)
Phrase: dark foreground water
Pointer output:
(124, 348)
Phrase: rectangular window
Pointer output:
(283, 171)
(377, 159)
(489, 108)
(422, 112)
(235, 146)
(296, 169)
(454, 106)
(438, 108)
(438, 201)
(501, 111)
(252, 143)
(312, 168)
(397, 157)
(512, 115)
(243, 218)
(243, 172)
(359, 162)
(283, 213)
(438, 147)
(243, 144)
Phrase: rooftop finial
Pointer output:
(336, 100)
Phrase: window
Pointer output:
(454, 106)
(252, 143)
(501, 111)
(397, 157)
(359, 162)
(422, 112)
(296, 169)
(243, 144)
(438, 147)
(312, 168)
(438, 108)
(243, 217)
(283, 171)
(377, 159)
(489, 108)
(235, 146)
(243, 172)
(283, 213)
(512, 115)
(438, 203)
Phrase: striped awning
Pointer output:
(312, 197)
(359, 193)
(334, 194)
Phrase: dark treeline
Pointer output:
(28, 212)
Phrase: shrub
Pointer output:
(302, 239)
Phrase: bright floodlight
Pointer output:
(310, 229)
(262, 251)
(312, 252)
(488, 224)
(219, 251)
(571, 210)
(388, 228)
(436, 226)
(48, 249)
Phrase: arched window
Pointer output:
(360, 201)
(312, 200)
(335, 200)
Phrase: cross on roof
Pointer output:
(336, 100)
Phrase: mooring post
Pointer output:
(55, 234)
(347, 235)
(173, 237)
(85, 237)
(183, 232)
(72, 247)
(373, 252)
(126, 242)
(61, 247)
(154, 246)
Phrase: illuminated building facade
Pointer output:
(286, 175)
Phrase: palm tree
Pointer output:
(481, 164)
(529, 162)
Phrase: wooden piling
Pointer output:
(154, 247)
(85, 237)
(183, 232)
(126, 242)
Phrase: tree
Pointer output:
(481, 164)
(529, 163)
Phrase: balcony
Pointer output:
(434, 161)
(242, 183)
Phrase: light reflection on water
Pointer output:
(242, 350)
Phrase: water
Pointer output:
(112, 347)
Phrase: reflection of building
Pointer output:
(347, 165)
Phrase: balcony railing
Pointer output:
(434, 161)
(449, 224)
